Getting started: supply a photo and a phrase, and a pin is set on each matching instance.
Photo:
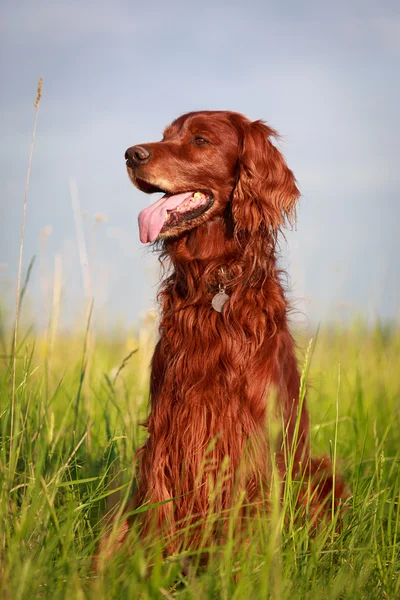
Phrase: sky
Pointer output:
(326, 75)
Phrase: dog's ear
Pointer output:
(266, 194)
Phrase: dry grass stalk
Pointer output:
(88, 289)
(21, 246)
(80, 238)
(55, 312)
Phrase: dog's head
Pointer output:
(206, 163)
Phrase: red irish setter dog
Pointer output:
(225, 348)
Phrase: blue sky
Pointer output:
(325, 74)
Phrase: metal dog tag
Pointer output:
(219, 300)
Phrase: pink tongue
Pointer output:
(152, 218)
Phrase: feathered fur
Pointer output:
(212, 374)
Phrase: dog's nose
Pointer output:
(137, 155)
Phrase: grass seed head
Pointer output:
(39, 93)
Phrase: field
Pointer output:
(71, 407)
(78, 404)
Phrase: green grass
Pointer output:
(77, 426)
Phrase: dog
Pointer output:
(225, 354)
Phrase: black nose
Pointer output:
(137, 155)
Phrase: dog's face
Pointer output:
(194, 165)
(205, 161)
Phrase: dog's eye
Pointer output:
(199, 141)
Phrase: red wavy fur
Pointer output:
(212, 373)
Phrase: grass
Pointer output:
(79, 402)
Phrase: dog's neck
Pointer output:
(212, 256)
(217, 241)
(208, 242)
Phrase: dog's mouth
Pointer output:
(171, 210)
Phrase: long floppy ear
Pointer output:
(266, 194)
